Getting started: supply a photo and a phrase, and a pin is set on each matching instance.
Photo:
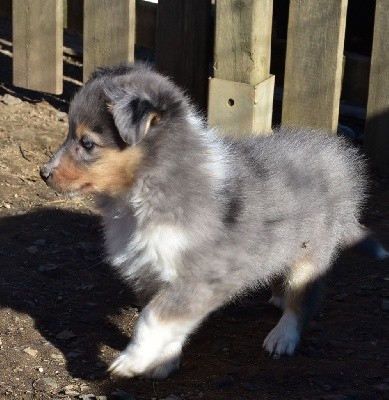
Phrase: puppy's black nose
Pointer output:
(45, 173)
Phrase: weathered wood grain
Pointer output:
(5, 7)
(240, 108)
(241, 92)
(74, 15)
(109, 33)
(182, 52)
(37, 44)
(377, 121)
(146, 24)
(243, 40)
(314, 57)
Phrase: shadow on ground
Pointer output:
(51, 268)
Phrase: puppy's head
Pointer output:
(111, 119)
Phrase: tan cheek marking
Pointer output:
(111, 174)
(115, 171)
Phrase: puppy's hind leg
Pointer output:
(301, 299)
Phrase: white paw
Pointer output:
(155, 349)
(162, 371)
(284, 338)
(127, 364)
(133, 361)
(168, 361)
(278, 301)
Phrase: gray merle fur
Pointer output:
(210, 217)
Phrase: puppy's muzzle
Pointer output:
(45, 172)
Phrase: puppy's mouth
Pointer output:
(86, 189)
(81, 191)
(71, 192)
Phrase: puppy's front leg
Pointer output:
(156, 346)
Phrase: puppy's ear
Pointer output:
(133, 117)
(144, 116)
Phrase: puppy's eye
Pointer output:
(86, 143)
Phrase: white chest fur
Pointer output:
(133, 248)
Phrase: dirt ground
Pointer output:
(64, 315)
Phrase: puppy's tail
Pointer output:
(365, 241)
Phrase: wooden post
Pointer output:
(377, 121)
(38, 44)
(241, 92)
(314, 57)
(146, 24)
(6, 7)
(109, 33)
(74, 15)
(183, 33)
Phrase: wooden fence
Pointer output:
(220, 51)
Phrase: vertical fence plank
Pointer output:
(183, 32)
(38, 44)
(314, 58)
(5, 7)
(146, 24)
(377, 121)
(74, 17)
(109, 33)
(241, 93)
(243, 40)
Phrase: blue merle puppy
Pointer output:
(193, 219)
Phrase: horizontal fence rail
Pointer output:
(232, 42)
